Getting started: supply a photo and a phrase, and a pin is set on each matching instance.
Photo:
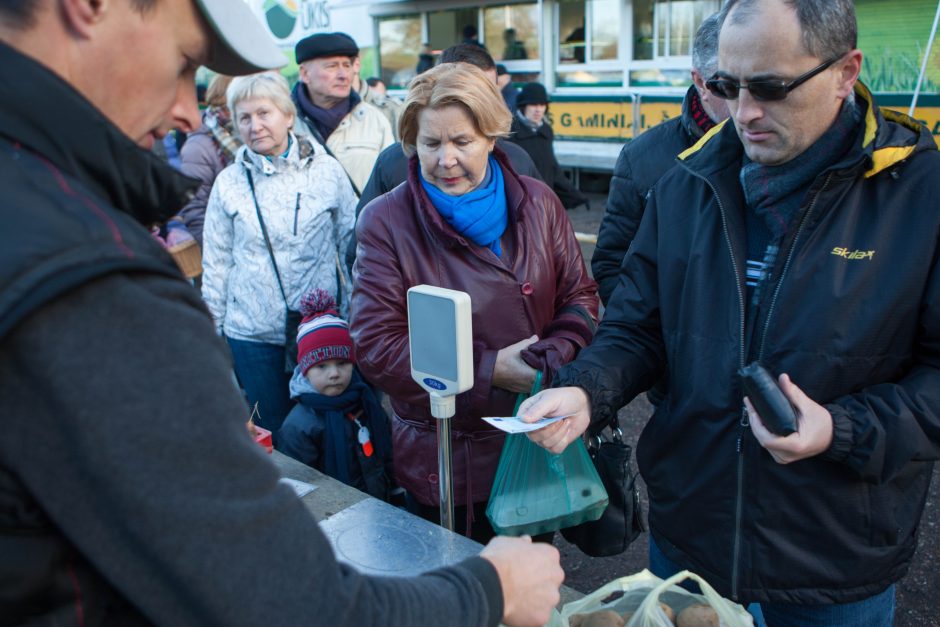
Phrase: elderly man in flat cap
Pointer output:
(332, 112)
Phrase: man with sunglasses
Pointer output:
(644, 160)
(803, 234)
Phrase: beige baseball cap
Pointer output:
(241, 44)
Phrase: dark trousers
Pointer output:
(259, 368)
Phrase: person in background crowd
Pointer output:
(338, 425)
(531, 131)
(465, 220)
(330, 111)
(808, 199)
(172, 145)
(146, 502)
(425, 59)
(389, 106)
(257, 268)
(208, 150)
(470, 36)
(391, 168)
(646, 158)
(378, 85)
(513, 48)
(505, 86)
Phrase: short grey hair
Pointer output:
(705, 47)
(270, 85)
(829, 27)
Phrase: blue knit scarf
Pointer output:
(481, 214)
(326, 120)
(339, 436)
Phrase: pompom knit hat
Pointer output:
(322, 335)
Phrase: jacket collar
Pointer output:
(46, 115)
(687, 118)
(522, 129)
(516, 196)
(301, 151)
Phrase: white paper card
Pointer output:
(301, 488)
(512, 424)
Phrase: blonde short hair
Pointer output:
(216, 92)
(270, 85)
(451, 84)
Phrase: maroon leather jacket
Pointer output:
(540, 286)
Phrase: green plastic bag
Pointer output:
(536, 491)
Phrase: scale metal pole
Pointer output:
(444, 408)
(445, 476)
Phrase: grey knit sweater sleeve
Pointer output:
(123, 424)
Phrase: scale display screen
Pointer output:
(434, 345)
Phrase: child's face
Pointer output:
(330, 377)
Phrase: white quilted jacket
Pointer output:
(309, 210)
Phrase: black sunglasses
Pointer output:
(770, 89)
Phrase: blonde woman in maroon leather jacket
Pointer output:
(534, 305)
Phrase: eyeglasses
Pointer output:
(764, 90)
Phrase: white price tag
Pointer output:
(512, 424)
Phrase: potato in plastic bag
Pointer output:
(642, 594)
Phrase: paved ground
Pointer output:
(918, 592)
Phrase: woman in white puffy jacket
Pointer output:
(307, 207)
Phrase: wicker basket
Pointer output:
(188, 257)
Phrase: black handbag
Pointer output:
(622, 522)
(292, 319)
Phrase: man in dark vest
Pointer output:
(130, 492)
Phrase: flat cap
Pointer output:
(325, 45)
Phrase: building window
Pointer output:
(445, 28)
(399, 47)
(571, 31)
(666, 28)
(589, 36)
(605, 29)
(511, 32)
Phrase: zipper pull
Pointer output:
(296, 212)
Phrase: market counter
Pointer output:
(375, 537)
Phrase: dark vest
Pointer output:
(76, 197)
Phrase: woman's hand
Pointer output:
(510, 372)
(572, 402)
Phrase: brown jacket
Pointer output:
(540, 287)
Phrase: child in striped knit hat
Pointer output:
(338, 425)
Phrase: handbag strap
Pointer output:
(264, 232)
(322, 141)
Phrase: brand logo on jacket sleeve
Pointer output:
(845, 253)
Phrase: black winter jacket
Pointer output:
(851, 312)
(130, 492)
(539, 143)
(641, 163)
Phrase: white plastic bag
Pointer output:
(642, 593)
